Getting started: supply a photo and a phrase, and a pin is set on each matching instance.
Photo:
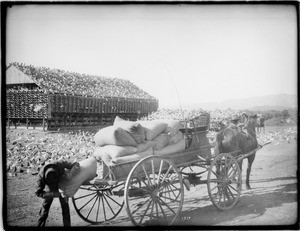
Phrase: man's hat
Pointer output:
(52, 174)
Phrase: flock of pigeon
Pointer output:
(57, 80)
(27, 152)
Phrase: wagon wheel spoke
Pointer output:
(216, 181)
(148, 178)
(162, 210)
(112, 211)
(141, 179)
(145, 212)
(215, 173)
(175, 189)
(151, 213)
(233, 188)
(89, 188)
(99, 206)
(161, 190)
(165, 176)
(226, 194)
(140, 206)
(217, 194)
(153, 174)
(77, 198)
(232, 195)
(223, 188)
(97, 214)
(164, 203)
(220, 196)
(170, 199)
(232, 170)
(104, 210)
(88, 202)
(157, 217)
(92, 208)
(213, 189)
(228, 165)
(112, 199)
(170, 191)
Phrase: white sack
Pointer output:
(114, 136)
(88, 169)
(133, 128)
(173, 126)
(114, 151)
(153, 128)
(134, 157)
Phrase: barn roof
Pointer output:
(56, 80)
(15, 76)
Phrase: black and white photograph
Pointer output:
(150, 114)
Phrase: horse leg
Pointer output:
(250, 161)
(240, 165)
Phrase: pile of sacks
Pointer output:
(127, 141)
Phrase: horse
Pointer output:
(260, 124)
(229, 140)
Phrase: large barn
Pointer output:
(57, 98)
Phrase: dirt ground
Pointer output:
(271, 201)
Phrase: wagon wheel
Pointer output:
(224, 182)
(95, 204)
(157, 198)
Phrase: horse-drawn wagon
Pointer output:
(152, 188)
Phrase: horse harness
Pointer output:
(236, 140)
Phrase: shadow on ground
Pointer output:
(252, 203)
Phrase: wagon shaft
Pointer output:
(252, 152)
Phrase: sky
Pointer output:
(181, 54)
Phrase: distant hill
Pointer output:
(259, 103)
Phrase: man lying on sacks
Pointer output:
(127, 141)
